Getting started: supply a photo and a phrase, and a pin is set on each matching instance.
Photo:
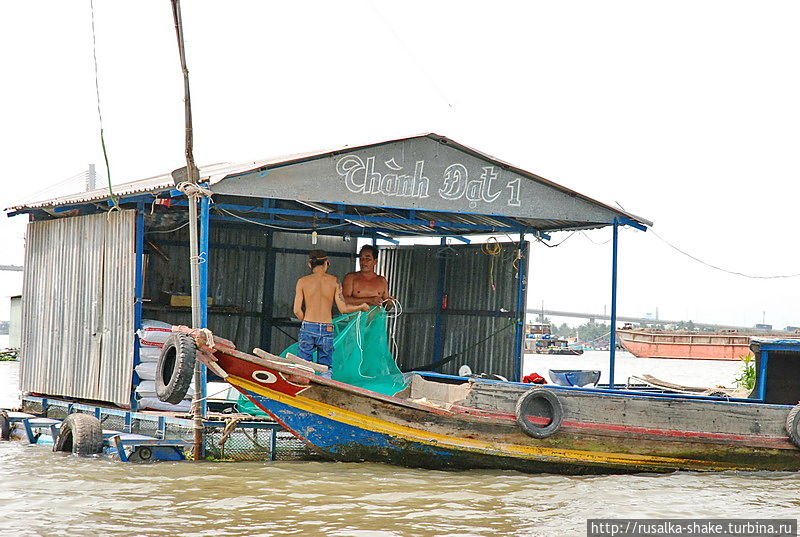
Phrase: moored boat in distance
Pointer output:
(539, 339)
(687, 344)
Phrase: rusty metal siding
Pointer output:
(474, 311)
(77, 313)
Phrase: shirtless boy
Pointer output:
(365, 286)
(313, 298)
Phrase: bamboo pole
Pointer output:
(194, 259)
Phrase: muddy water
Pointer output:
(47, 494)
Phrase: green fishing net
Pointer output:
(361, 355)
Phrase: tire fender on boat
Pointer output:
(793, 425)
(539, 403)
(175, 369)
(80, 434)
(5, 427)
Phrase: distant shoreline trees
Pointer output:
(594, 332)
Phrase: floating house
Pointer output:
(99, 262)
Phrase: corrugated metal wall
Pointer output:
(77, 311)
(235, 279)
(238, 262)
(474, 311)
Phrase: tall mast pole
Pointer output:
(192, 192)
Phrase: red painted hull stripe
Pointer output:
(628, 429)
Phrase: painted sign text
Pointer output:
(362, 177)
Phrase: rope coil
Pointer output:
(193, 189)
(199, 259)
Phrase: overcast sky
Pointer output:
(684, 112)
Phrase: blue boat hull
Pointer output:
(346, 443)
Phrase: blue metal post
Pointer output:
(204, 255)
(268, 293)
(138, 295)
(438, 330)
(161, 432)
(522, 271)
(762, 375)
(613, 335)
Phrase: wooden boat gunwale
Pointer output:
(614, 391)
(287, 369)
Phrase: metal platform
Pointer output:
(151, 435)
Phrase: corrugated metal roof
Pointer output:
(216, 172)
(150, 184)
(213, 173)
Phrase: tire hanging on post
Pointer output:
(175, 370)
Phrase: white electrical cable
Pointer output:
(169, 230)
(735, 273)
(279, 228)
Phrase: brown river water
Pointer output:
(52, 494)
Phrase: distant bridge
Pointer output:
(575, 314)
(643, 320)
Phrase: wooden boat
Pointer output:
(539, 339)
(653, 343)
(441, 421)
(651, 381)
(560, 349)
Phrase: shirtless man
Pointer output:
(364, 286)
(313, 298)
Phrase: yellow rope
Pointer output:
(492, 248)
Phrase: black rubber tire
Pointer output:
(175, 370)
(5, 427)
(534, 402)
(793, 425)
(80, 434)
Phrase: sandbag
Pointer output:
(153, 333)
(154, 403)
(147, 388)
(146, 370)
(149, 354)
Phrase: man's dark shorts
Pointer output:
(319, 337)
